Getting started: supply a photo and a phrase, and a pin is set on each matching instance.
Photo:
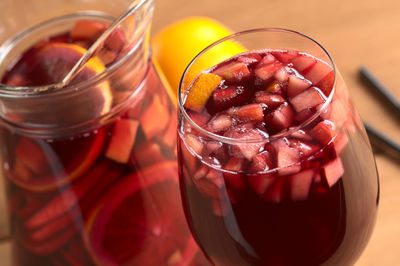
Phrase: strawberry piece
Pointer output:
(288, 160)
(246, 150)
(276, 193)
(122, 140)
(251, 112)
(145, 154)
(32, 154)
(266, 72)
(307, 99)
(261, 182)
(318, 72)
(300, 184)
(68, 198)
(249, 59)
(233, 71)
(209, 182)
(332, 171)
(296, 85)
(261, 162)
(115, 41)
(201, 90)
(194, 143)
(155, 118)
(303, 63)
(230, 96)
(234, 180)
(220, 123)
(324, 132)
(281, 118)
(271, 100)
(87, 30)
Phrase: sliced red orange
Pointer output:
(139, 221)
(54, 168)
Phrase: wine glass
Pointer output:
(275, 165)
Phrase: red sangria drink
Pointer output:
(90, 169)
(275, 167)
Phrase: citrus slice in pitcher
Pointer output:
(42, 166)
(49, 64)
(139, 221)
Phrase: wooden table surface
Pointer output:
(355, 32)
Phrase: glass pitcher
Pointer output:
(89, 170)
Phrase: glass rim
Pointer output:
(37, 91)
(264, 138)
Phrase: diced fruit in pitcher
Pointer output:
(146, 154)
(161, 231)
(122, 140)
(116, 40)
(155, 118)
(87, 30)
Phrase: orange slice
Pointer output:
(139, 221)
(201, 90)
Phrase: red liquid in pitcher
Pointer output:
(107, 196)
(297, 198)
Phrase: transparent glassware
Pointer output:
(317, 209)
(89, 170)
